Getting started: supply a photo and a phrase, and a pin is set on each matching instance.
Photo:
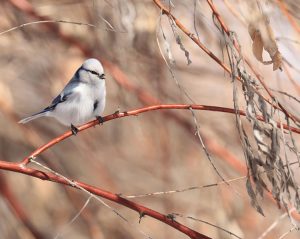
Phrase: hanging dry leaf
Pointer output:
(277, 61)
(262, 36)
(257, 46)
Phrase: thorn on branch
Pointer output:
(73, 184)
(142, 214)
(191, 35)
(31, 158)
(171, 217)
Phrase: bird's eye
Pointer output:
(102, 76)
(94, 73)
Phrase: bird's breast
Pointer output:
(88, 102)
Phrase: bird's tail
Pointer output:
(32, 117)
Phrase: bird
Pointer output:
(81, 100)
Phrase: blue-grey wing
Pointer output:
(63, 96)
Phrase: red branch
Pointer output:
(140, 111)
(19, 168)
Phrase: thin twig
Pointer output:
(50, 21)
(185, 189)
(207, 223)
(192, 188)
(286, 94)
(204, 148)
(288, 232)
(273, 225)
(63, 230)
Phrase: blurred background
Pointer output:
(152, 152)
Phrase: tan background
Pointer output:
(133, 155)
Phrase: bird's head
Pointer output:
(93, 70)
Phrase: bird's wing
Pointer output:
(66, 94)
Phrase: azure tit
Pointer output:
(82, 99)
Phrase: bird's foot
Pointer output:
(100, 119)
(74, 129)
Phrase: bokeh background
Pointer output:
(148, 153)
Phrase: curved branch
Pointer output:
(143, 211)
(135, 112)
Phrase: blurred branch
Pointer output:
(208, 223)
(143, 211)
(290, 18)
(17, 208)
(26, 7)
(286, 94)
(64, 228)
(288, 232)
(291, 79)
(235, 12)
(46, 21)
(273, 225)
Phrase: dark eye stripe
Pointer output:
(102, 76)
(94, 72)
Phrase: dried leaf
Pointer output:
(262, 36)
(186, 53)
(252, 195)
(277, 61)
(257, 46)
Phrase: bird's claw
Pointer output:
(100, 119)
(74, 129)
